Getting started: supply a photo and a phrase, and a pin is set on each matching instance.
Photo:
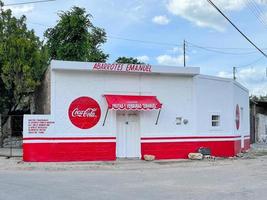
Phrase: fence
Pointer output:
(11, 127)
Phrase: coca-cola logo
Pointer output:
(89, 112)
(84, 112)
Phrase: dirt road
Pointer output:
(242, 178)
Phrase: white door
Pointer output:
(128, 135)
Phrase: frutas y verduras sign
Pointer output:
(84, 112)
(117, 67)
(134, 106)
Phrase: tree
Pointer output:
(23, 60)
(76, 38)
(128, 60)
(258, 98)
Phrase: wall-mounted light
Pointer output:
(185, 121)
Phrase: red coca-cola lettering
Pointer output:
(84, 112)
(89, 112)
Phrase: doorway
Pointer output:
(128, 135)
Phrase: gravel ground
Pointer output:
(236, 178)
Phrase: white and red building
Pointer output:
(105, 111)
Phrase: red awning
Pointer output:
(130, 102)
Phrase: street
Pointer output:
(134, 179)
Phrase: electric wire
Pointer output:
(221, 52)
(144, 41)
(214, 6)
(258, 8)
(255, 11)
(188, 44)
(28, 2)
(251, 63)
(262, 13)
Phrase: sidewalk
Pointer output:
(259, 147)
(15, 152)
(11, 152)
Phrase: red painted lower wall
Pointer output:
(246, 144)
(106, 151)
(60, 152)
(174, 150)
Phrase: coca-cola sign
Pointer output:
(84, 112)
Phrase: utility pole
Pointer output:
(234, 73)
(184, 54)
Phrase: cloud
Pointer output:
(171, 60)
(143, 58)
(253, 78)
(202, 14)
(161, 19)
(20, 10)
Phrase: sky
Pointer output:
(154, 30)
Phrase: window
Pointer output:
(215, 120)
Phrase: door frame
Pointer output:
(127, 113)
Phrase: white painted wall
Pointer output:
(241, 97)
(175, 92)
(214, 95)
(194, 98)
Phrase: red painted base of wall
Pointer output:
(246, 144)
(106, 151)
(61, 152)
(176, 150)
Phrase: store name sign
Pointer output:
(117, 67)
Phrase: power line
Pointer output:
(255, 11)
(251, 63)
(224, 48)
(34, 23)
(213, 5)
(208, 48)
(259, 9)
(28, 2)
(144, 41)
(218, 51)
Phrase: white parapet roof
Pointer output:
(124, 68)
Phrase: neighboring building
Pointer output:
(258, 121)
(103, 111)
(41, 104)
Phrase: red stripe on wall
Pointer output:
(69, 138)
(61, 152)
(189, 137)
(175, 150)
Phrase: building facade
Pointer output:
(105, 111)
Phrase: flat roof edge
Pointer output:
(223, 79)
(126, 68)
